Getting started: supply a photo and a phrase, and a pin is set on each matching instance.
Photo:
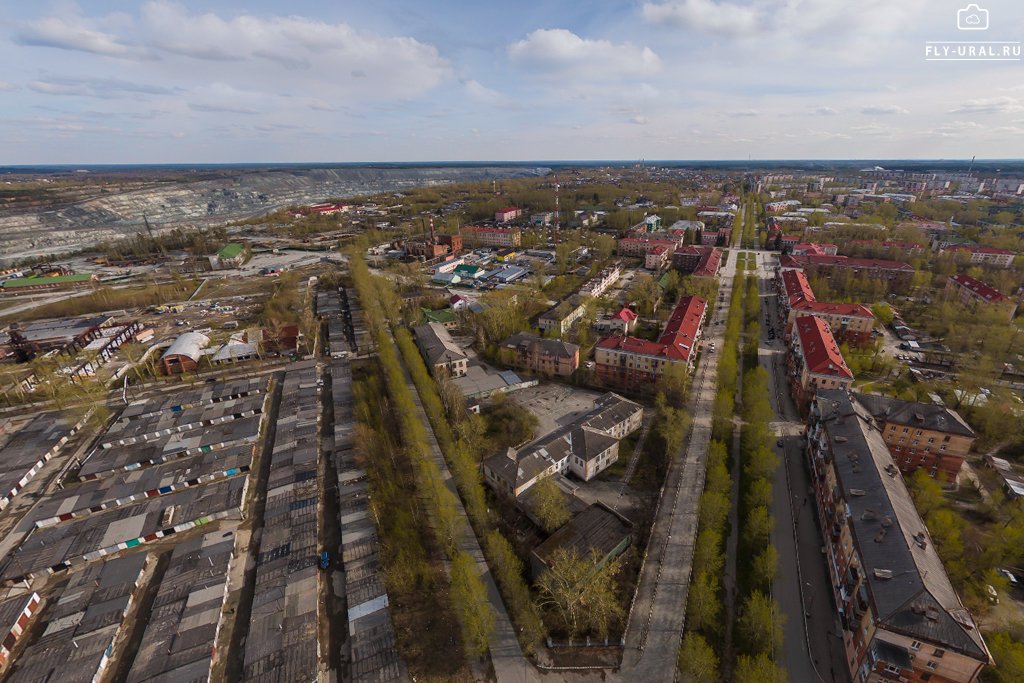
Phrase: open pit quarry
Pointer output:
(76, 213)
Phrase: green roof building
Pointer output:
(38, 282)
(444, 316)
(231, 255)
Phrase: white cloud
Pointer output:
(335, 55)
(704, 15)
(826, 111)
(745, 113)
(883, 110)
(253, 51)
(478, 92)
(822, 22)
(5, 86)
(561, 52)
(65, 34)
(992, 105)
(103, 88)
(956, 129)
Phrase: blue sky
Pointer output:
(160, 81)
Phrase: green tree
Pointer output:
(549, 504)
(764, 567)
(582, 595)
(758, 669)
(757, 528)
(760, 624)
(703, 607)
(697, 662)
(927, 493)
(469, 598)
(883, 313)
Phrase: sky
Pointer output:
(194, 81)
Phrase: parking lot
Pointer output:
(555, 405)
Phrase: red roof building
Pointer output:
(897, 273)
(972, 291)
(630, 362)
(795, 287)
(987, 255)
(699, 261)
(509, 213)
(850, 323)
(810, 249)
(889, 245)
(492, 237)
(709, 264)
(640, 246)
(816, 362)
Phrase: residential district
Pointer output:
(624, 423)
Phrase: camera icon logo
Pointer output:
(972, 18)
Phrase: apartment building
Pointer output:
(793, 287)
(656, 258)
(897, 274)
(509, 213)
(599, 284)
(630, 362)
(850, 323)
(815, 360)
(492, 237)
(550, 357)
(689, 259)
(921, 435)
(562, 317)
(1001, 258)
(639, 246)
(900, 618)
(971, 291)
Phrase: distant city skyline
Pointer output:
(218, 82)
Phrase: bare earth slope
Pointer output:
(83, 213)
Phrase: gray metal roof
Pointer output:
(436, 344)
(913, 414)
(553, 347)
(907, 581)
(597, 528)
(190, 344)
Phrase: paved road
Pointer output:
(510, 665)
(810, 653)
(656, 624)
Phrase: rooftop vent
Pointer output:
(887, 522)
(880, 536)
(868, 514)
(858, 492)
(883, 574)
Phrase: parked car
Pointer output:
(1009, 576)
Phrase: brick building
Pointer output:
(899, 617)
(921, 435)
(815, 360)
(630, 362)
(972, 291)
(541, 356)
